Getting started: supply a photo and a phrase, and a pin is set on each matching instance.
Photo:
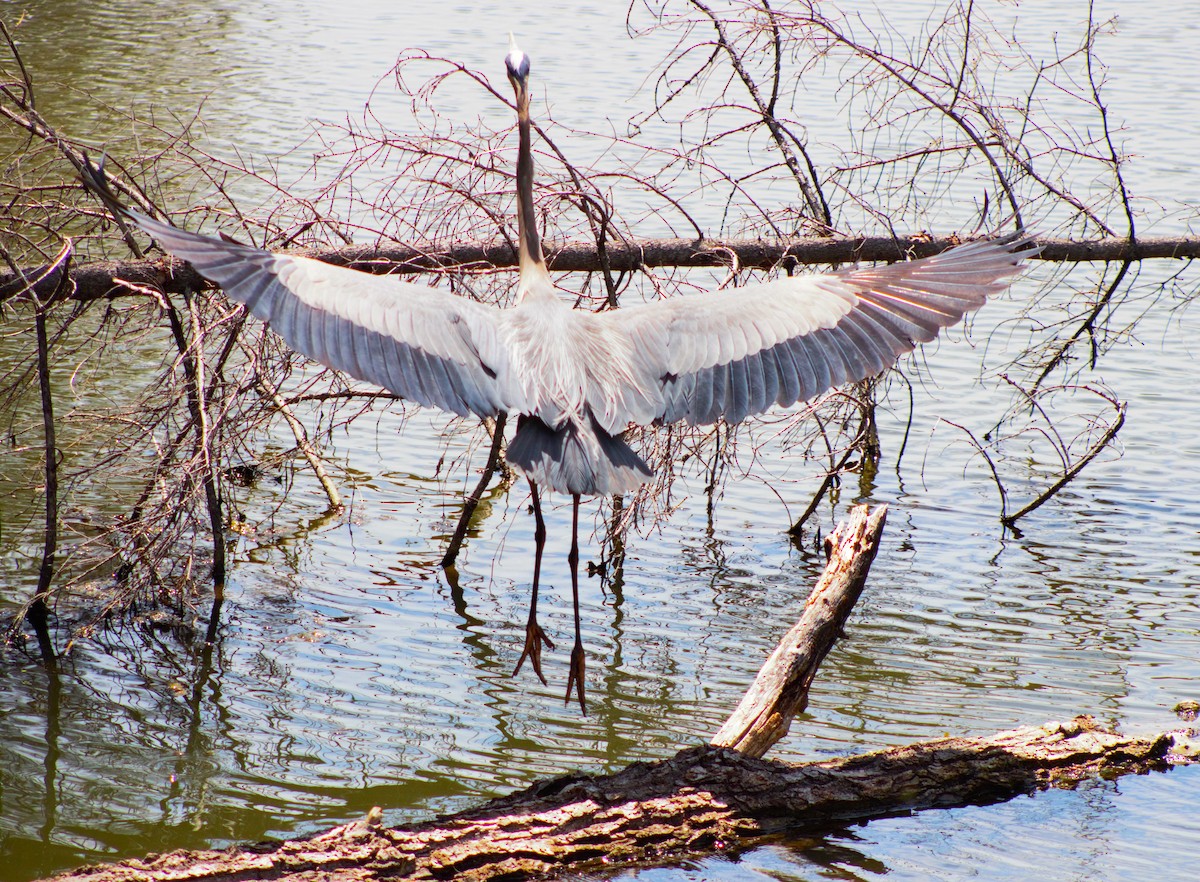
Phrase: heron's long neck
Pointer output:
(529, 248)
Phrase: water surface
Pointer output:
(351, 671)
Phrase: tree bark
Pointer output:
(703, 800)
(120, 278)
(780, 691)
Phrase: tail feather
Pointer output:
(575, 458)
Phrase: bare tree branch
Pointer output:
(109, 279)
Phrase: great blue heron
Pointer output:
(576, 379)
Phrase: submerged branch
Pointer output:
(471, 502)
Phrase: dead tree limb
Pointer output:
(1069, 475)
(702, 800)
(304, 445)
(471, 502)
(97, 281)
(780, 691)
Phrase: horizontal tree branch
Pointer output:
(117, 278)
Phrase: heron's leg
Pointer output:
(577, 660)
(534, 635)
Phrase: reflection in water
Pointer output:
(53, 730)
(350, 670)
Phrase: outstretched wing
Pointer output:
(736, 353)
(421, 343)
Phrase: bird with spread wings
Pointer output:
(575, 379)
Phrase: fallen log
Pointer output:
(705, 799)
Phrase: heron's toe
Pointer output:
(575, 680)
(534, 638)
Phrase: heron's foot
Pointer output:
(534, 638)
(575, 680)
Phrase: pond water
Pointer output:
(352, 672)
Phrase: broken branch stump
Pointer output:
(780, 691)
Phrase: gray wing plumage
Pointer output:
(736, 353)
(698, 358)
(421, 343)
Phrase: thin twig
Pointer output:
(305, 447)
(991, 465)
(471, 502)
(1071, 473)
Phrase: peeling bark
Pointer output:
(703, 800)
(780, 691)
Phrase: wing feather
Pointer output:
(812, 351)
(791, 376)
(720, 388)
(421, 343)
(889, 340)
(735, 353)
(861, 348)
(831, 340)
(739, 390)
(770, 363)
(701, 399)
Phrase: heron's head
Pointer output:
(516, 63)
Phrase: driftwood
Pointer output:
(780, 691)
(97, 281)
(704, 799)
